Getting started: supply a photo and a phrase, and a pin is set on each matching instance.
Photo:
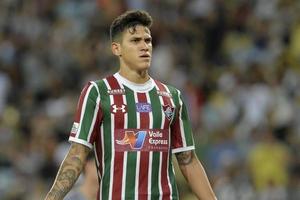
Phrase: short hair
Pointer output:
(129, 19)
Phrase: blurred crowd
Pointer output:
(236, 61)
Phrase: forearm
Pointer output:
(68, 172)
(195, 175)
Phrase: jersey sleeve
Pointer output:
(87, 117)
(181, 131)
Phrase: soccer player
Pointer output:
(134, 124)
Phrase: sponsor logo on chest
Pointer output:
(141, 140)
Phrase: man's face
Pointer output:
(136, 48)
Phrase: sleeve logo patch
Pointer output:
(75, 128)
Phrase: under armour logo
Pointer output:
(118, 108)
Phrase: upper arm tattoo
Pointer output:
(185, 157)
(69, 171)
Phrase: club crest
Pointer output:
(169, 111)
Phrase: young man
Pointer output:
(133, 123)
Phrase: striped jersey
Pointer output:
(133, 129)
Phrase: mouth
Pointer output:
(145, 56)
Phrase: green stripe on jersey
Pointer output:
(157, 117)
(184, 116)
(186, 126)
(131, 156)
(105, 103)
(175, 98)
(88, 114)
(172, 178)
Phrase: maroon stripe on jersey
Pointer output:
(144, 161)
(96, 136)
(119, 156)
(176, 131)
(96, 129)
(79, 105)
(165, 155)
(98, 193)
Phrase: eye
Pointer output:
(135, 40)
(148, 40)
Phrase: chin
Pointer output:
(144, 67)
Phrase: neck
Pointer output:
(135, 76)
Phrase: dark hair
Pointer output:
(129, 19)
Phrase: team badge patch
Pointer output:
(169, 111)
(143, 107)
(116, 92)
(114, 108)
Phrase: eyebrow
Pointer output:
(140, 38)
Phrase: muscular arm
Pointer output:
(68, 172)
(195, 175)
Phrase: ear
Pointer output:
(116, 49)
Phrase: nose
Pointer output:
(145, 46)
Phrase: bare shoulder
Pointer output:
(185, 157)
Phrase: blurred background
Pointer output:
(236, 61)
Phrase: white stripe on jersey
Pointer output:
(150, 152)
(160, 161)
(159, 175)
(125, 152)
(103, 163)
(95, 112)
(83, 108)
(181, 122)
(94, 120)
(138, 154)
(112, 116)
(97, 161)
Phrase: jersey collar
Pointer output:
(143, 87)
